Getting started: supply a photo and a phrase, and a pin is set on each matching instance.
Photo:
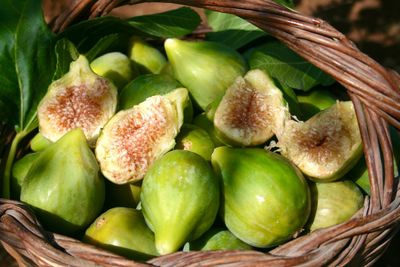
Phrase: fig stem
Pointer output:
(9, 163)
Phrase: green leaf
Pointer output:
(231, 30)
(287, 67)
(10, 12)
(66, 52)
(85, 35)
(174, 23)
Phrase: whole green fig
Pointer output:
(180, 199)
(266, 199)
(146, 58)
(19, 170)
(39, 142)
(218, 239)
(123, 231)
(333, 203)
(206, 69)
(63, 185)
(195, 139)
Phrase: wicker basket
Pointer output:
(375, 92)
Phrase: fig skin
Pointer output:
(19, 170)
(39, 142)
(125, 195)
(204, 123)
(123, 231)
(326, 146)
(251, 111)
(134, 138)
(149, 85)
(180, 199)
(114, 66)
(217, 239)
(195, 139)
(79, 99)
(314, 101)
(146, 58)
(333, 203)
(205, 68)
(272, 186)
(63, 185)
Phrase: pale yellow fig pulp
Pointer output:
(80, 99)
(252, 110)
(327, 145)
(134, 138)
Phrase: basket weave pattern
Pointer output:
(375, 92)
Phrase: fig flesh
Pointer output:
(63, 185)
(334, 203)
(123, 231)
(180, 199)
(206, 69)
(265, 198)
(80, 99)
(327, 145)
(134, 138)
(114, 66)
(252, 110)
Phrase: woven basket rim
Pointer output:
(375, 93)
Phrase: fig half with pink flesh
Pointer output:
(80, 99)
(134, 138)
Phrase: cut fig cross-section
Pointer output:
(134, 138)
(327, 145)
(252, 110)
(80, 99)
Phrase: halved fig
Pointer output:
(327, 145)
(252, 110)
(134, 138)
(80, 99)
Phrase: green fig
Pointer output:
(266, 200)
(39, 142)
(19, 170)
(123, 231)
(80, 99)
(327, 145)
(359, 173)
(180, 199)
(63, 185)
(134, 138)
(204, 123)
(146, 58)
(114, 66)
(205, 68)
(314, 101)
(218, 239)
(252, 111)
(195, 139)
(333, 203)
